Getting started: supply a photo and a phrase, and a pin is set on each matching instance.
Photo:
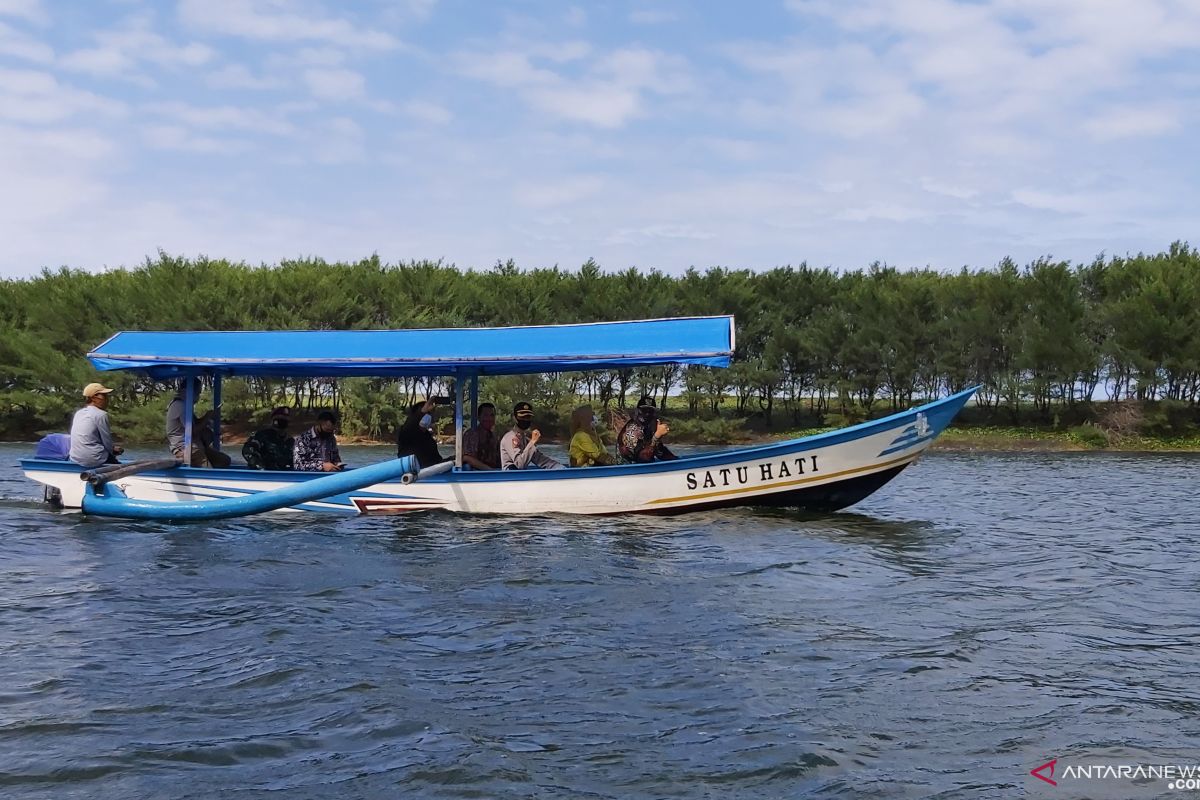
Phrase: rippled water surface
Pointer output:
(978, 615)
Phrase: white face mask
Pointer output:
(427, 421)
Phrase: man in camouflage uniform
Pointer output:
(271, 448)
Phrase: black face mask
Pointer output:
(524, 424)
(281, 424)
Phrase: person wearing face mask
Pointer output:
(316, 448)
(518, 447)
(271, 448)
(640, 441)
(481, 447)
(587, 449)
(415, 437)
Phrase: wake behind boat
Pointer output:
(825, 472)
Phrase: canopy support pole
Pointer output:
(189, 407)
(475, 401)
(458, 420)
(216, 418)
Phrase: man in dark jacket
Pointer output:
(415, 437)
(271, 448)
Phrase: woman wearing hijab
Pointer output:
(587, 449)
(640, 441)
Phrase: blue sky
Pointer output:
(653, 134)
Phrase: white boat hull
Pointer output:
(821, 473)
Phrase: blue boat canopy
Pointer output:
(707, 341)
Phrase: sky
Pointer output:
(650, 133)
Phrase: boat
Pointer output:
(821, 473)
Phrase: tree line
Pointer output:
(1041, 339)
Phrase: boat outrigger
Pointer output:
(825, 472)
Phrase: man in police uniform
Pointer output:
(518, 447)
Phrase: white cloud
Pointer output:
(312, 57)
(1059, 202)
(237, 76)
(909, 131)
(889, 212)
(935, 186)
(120, 50)
(1000, 66)
(1133, 122)
(224, 118)
(558, 52)
(608, 95)
(733, 149)
(175, 137)
(576, 17)
(402, 12)
(272, 20)
(557, 193)
(338, 141)
(645, 233)
(31, 10)
(36, 97)
(651, 17)
(1040, 50)
(50, 176)
(335, 84)
(15, 44)
(506, 69)
(607, 106)
(428, 112)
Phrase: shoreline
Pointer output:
(961, 440)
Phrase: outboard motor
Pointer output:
(53, 447)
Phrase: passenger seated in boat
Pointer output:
(91, 438)
(481, 446)
(640, 440)
(518, 447)
(271, 448)
(316, 448)
(203, 454)
(415, 437)
(587, 449)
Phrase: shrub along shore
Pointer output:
(1104, 354)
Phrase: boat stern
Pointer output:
(64, 488)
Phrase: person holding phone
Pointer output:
(640, 441)
(415, 437)
(316, 448)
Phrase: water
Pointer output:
(979, 616)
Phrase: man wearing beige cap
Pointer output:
(91, 438)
